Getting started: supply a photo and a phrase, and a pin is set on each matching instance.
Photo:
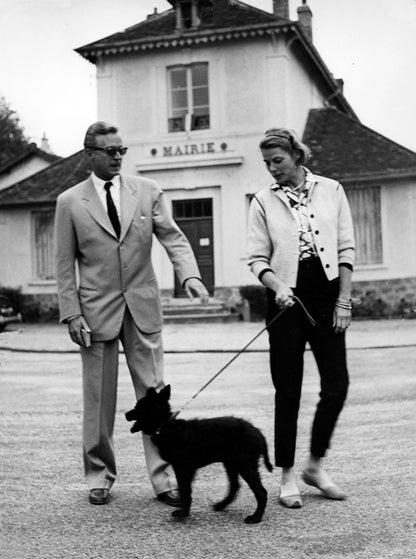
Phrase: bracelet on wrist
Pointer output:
(343, 303)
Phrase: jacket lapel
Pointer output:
(280, 194)
(96, 208)
(129, 202)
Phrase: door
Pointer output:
(195, 219)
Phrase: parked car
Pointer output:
(7, 312)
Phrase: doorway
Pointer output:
(195, 219)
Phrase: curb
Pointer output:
(188, 351)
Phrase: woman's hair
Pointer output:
(99, 128)
(287, 140)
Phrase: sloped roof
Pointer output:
(46, 185)
(31, 150)
(159, 31)
(344, 148)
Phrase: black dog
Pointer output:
(189, 445)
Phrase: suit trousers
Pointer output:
(288, 336)
(144, 356)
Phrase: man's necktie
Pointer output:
(111, 209)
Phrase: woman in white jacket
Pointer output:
(301, 242)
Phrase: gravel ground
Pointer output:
(46, 515)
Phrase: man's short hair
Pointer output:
(99, 128)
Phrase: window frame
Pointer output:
(189, 120)
(43, 250)
(368, 226)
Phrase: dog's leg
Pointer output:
(184, 477)
(234, 486)
(251, 475)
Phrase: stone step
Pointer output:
(200, 318)
(183, 310)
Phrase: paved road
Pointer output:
(46, 515)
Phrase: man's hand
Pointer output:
(76, 327)
(195, 285)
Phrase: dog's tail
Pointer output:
(265, 453)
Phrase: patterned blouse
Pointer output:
(298, 202)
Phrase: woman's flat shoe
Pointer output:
(330, 491)
(291, 501)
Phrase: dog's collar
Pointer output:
(171, 418)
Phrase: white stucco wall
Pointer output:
(16, 268)
(398, 211)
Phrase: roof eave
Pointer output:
(394, 174)
(179, 39)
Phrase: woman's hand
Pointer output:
(342, 319)
(283, 295)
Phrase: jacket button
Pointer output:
(316, 232)
(326, 265)
(312, 216)
(322, 249)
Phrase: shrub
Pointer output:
(15, 296)
(256, 297)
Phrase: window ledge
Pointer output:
(41, 282)
(185, 162)
(369, 267)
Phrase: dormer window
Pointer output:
(188, 97)
(189, 12)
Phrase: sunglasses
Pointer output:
(111, 151)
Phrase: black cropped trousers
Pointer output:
(288, 336)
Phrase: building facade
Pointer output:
(192, 91)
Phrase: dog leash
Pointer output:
(308, 316)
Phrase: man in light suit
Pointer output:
(108, 292)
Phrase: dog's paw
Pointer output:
(180, 513)
(252, 519)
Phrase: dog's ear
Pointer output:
(151, 392)
(130, 415)
(165, 392)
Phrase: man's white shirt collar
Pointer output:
(115, 191)
(99, 183)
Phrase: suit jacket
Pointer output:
(99, 275)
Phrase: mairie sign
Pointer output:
(188, 149)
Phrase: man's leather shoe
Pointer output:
(171, 498)
(99, 496)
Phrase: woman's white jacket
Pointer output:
(273, 235)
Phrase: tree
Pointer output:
(12, 137)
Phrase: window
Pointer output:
(191, 209)
(188, 97)
(366, 214)
(43, 245)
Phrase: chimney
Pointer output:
(281, 8)
(340, 83)
(150, 16)
(305, 19)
